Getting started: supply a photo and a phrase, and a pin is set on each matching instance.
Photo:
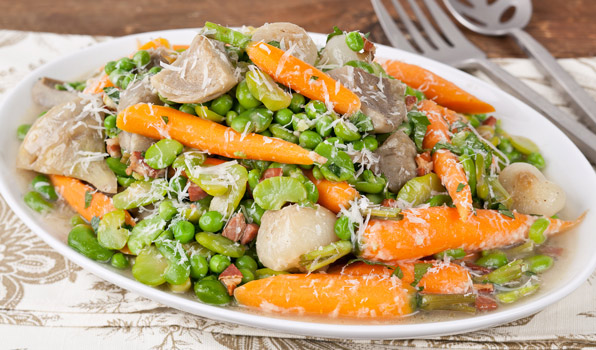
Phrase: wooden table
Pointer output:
(567, 28)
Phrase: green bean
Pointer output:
(452, 253)
(223, 104)
(178, 269)
(354, 41)
(141, 58)
(266, 90)
(211, 292)
(22, 131)
(163, 153)
(227, 203)
(450, 302)
(300, 122)
(315, 108)
(247, 275)
(283, 133)
(82, 239)
(515, 295)
(145, 232)
(266, 272)
(199, 267)
(211, 221)
(521, 250)
(346, 131)
(230, 116)
(244, 97)
(35, 201)
(253, 211)
(183, 231)
(116, 166)
(339, 166)
(506, 273)
(219, 263)
(344, 228)
(323, 125)
(297, 103)
(120, 261)
(325, 255)
(539, 263)
(42, 185)
(274, 192)
(470, 169)
(110, 67)
(536, 160)
(524, 145)
(110, 233)
(140, 193)
(482, 188)
(420, 189)
(493, 260)
(206, 113)
(150, 266)
(439, 200)
(284, 116)
(382, 212)
(77, 220)
(167, 210)
(246, 262)
(226, 35)
(536, 231)
(194, 248)
(254, 177)
(310, 139)
(220, 244)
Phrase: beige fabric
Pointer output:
(47, 302)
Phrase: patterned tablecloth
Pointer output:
(47, 302)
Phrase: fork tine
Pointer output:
(420, 41)
(434, 37)
(451, 32)
(393, 33)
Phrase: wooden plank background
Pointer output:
(566, 27)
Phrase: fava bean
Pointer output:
(323, 125)
(312, 193)
(339, 166)
(188, 108)
(42, 185)
(219, 263)
(539, 263)
(536, 231)
(371, 183)
(125, 181)
(163, 153)
(223, 104)
(370, 143)
(220, 244)
(120, 261)
(183, 231)
(344, 228)
(493, 260)
(181, 288)
(35, 201)
(145, 232)
(126, 64)
(260, 117)
(300, 122)
(116, 166)
(297, 103)
(346, 131)
(282, 133)
(244, 97)
(227, 203)
(253, 211)
(150, 266)
(266, 90)
(211, 292)
(247, 275)
(205, 113)
(524, 145)
(178, 269)
(199, 267)
(325, 255)
(82, 239)
(167, 210)
(254, 177)
(77, 220)
(274, 192)
(246, 262)
(110, 233)
(189, 160)
(243, 124)
(440, 199)
(140, 193)
(211, 221)
(536, 160)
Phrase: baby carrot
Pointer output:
(155, 43)
(434, 87)
(75, 192)
(453, 177)
(96, 85)
(438, 130)
(329, 295)
(428, 231)
(302, 77)
(161, 122)
(333, 195)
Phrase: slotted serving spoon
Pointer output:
(489, 17)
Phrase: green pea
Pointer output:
(183, 231)
(125, 80)
(323, 125)
(315, 108)
(77, 220)
(125, 181)
(163, 153)
(116, 74)
(230, 116)
(188, 108)
(110, 67)
(140, 193)
(219, 263)
(22, 131)
(110, 233)
(344, 228)
(536, 160)
(141, 58)
(310, 139)
(42, 185)
(211, 292)
(199, 267)
(274, 192)
(238, 108)
(253, 211)
(82, 239)
(120, 261)
(35, 201)
(150, 266)
(539, 263)
(223, 104)
(283, 133)
(244, 97)
(126, 64)
(473, 120)
(167, 210)
(524, 145)
(297, 103)
(247, 275)
(211, 221)
(116, 166)
(284, 116)
(300, 122)
(266, 272)
(110, 122)
(493, 260)
(154, 70)
(346, 131)
(243, 124)
(220, 244)
(536, 231)
(370, 143)
(354, 41)
(145, 232)
(246, 262)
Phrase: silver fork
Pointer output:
(451, 47)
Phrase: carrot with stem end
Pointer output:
(302, 77)
(427, 231)
(329, 295)
(161, 122)
(333, 195)
(435, 87)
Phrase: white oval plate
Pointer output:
(566, 166)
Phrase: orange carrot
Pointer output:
(155, 43)
(160, 122)
(213, 161)
(329, 295)
(434, 87)
(74, 191)
(180, 47)
(302, 77)
(426, 231)
(96, 85)
(438, 130)
(452, 175)
(333, 195)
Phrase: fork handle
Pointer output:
(548, 65)
(583, 138)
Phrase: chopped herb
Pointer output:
(336, 31)
(88, 198)
(274, 43)
(314, 77)
(398, 272)
(362, 122)
(419, 272)
(460, 187)
(419, 123)
(165, 119)
(95, 223)
(443, 145)
(507, 212)
(112, 93)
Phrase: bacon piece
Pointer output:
(411, 102)
(231, 277)
(273, 172)
(490, 121)
(388, 202)
(424, 164)
(138, 165)
(484, 287)
(113, 148)
(250, 232)
(484, 303)
(369, 46)
(195, 193)
(235, 227)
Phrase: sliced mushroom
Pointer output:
(382, 99)
(68, 140)
(532, 193)
(337, 53)
(45, 94)
(289, 36)
(397, 160)
(286, 234)
(200, 74)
